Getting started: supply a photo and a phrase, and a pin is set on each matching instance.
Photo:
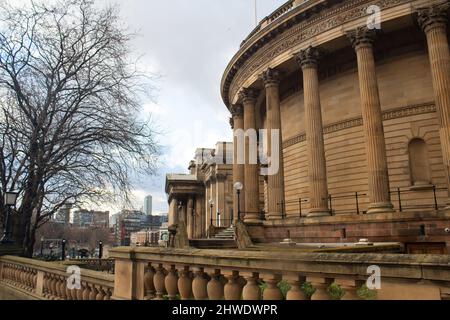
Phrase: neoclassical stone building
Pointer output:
(364, 116)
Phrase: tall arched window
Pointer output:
(418, 162)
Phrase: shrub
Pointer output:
(365, 293)
(308, 289)
(335, 291)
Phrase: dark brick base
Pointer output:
(389, 227)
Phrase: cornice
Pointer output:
(290, 33)
(395, 113)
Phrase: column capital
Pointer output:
(271, 77)
(362, 37)
(433, 17)
(237, 111)
(309, 57)
(248, 95)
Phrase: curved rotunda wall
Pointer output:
(405, 90)
(406, 94)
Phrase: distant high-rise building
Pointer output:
(148, 205)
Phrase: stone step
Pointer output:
(213, 243)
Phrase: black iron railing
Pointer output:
(401, 198)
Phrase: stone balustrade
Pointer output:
(34, 279)
(167, 273)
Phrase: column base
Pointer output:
(383, 207)
(252, 220)
(274, 216)
(319, 212)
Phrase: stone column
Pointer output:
(251, 168)
(190, 218)
(220, 198)
(173, 211)
(237, 124)
(317, 169)
(434, 21)
(380, 200)
(275, 180)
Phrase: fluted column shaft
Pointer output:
(275, 180)
(317, 169)
(251, 170)
(237, 123)
(434, 23)
(378, 178)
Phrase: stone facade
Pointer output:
(364, 119)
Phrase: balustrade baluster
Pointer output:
(171, 282)
(199, 285)
(251, 290)
(295, 292)
(62, 288)
(321, 285)
(185, 283)
(101, 293)
(272, 292)
(350, 287)
(214, 287)
(233, 289)
(159, 282)
(93, 293)
(148, 283)
(86, 291)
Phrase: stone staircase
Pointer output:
(222, 240)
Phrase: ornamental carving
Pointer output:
(309, 57)
(237, 111)
(271, 77)
(361, 36)
(434, 16)
(330, 18)
(248, 95)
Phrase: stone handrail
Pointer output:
(48, 280)
(233, 275)
(105, 265)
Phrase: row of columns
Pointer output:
(434, 23)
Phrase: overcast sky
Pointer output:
(189, 43)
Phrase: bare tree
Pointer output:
(69, 110)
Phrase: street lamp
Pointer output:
(238, 186)
(42, 246)
(10, 199)
(211, 205)
(100, 249)
(63, 250)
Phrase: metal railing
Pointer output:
(354, 202)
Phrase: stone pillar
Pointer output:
(275, 180)
(171, 282)
(232, 289)
(220, 198)
(251, 168)
(380, 200)
(199, 219)
(237, 124)
(173, 211)
(434, 21)
(190, 218)
(317, 169)
(272, 291)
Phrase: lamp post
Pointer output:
(63, 250)
(211, 205)
(42, 246)
(100, 249)
(238, 186)
(10, 201)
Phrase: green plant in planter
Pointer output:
(335, 291)
(365, 293)
(308, 289)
